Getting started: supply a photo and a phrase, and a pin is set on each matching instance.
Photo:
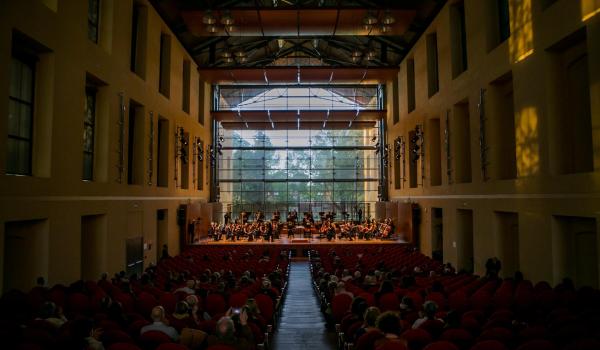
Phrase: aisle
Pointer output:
(301, 325)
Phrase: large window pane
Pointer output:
(304, 170)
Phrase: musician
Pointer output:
(387, 228)
(259, 216)
(306, 222)
(244, 216)
(239, 231)
(227, 217)
(268, 232)
(276, 216)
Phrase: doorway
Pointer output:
(437, 234)
(464, 239)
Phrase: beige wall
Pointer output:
(56, 191)
(538, 192)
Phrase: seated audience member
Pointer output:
(408, 313)
(226, 333)
(85, 336)
(341, 289)
(189, 287)
(160, 324)
(52, 314)
(266, 289)
(181, 318)
(369, 323)
(357, 310)
(429, 310)
(389, 324)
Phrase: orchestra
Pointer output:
(326, 228)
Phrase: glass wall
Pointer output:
(302, 170)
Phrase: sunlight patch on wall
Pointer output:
(589, 8)
(527, 139)
(521, 27)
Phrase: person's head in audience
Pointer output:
(429, 309)
(181, 309)
(386, 287)
(40, 282)
(518, 276)
(191, 284)
(158, 314)
(452, 319)
(407, 304)
(105, 303)
(370, 316)
(252, 307)
(225, 328)
(389, 323)
(48, 310)
(358, 306)
(437, 286)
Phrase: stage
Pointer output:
(303, 241)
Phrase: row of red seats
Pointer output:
(506, 313)
(84, 300)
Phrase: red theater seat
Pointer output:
(417, 339)
(537, 345)
(124, 346)
(441, 345)
(215, 304)
(489, 345)
(171, 346)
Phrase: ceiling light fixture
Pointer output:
(369, 19)
(209, 18)
(226, 53)
(211, 28)
(388, 18)
(240, 52)
(226, 19)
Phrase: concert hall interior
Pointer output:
(295, 174)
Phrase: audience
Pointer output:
(227, 334)
(160, 324)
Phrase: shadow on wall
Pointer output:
(527, 139)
